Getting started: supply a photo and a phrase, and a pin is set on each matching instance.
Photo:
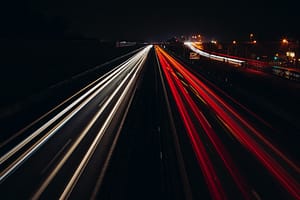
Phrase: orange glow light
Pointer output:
(285, 41)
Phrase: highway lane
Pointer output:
(221, 118)
(153, 157)
(53, 161)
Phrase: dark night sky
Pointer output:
(157, 19)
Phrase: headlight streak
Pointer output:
(80, 103)
(234, 60)
(132, 72)
(108, 76)
(65, 101)
(238, 126)
(213, 56)
(29, 152)
(135, 71)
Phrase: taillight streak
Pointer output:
(244, 132)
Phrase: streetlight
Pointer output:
(251, 37)
(284, 41)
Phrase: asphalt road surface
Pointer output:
(151, 128)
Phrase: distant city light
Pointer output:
(254, 41)
(233, 42)
(214, 41)
(285, 41)
(290, 54)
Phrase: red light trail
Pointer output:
(255, 142)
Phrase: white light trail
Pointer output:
(139, 61)
(213, 56)
(89, 153)
(107, 79)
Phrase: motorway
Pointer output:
(222, 138)
(150, 128)
(72, 149)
